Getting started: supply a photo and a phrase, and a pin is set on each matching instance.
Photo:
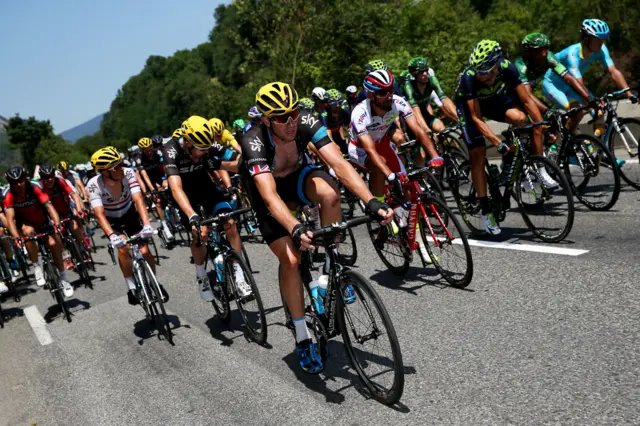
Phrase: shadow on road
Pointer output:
(426, 276)
(73, 305)
(146, 329)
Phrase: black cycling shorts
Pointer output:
(130, 224)
(494, 108)
(207, 201)
(290, 189)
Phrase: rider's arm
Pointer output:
(481, 125)
(541, 106)
(331, 155)
(423, 138)
(420, 119)
(532, 110)
(370, 148)
(45, 202)
(138, 200)
(617, 76)
(143, 187)
(175, 183)
(53, 214)
(145, 177)
(98, 212)
(266, 185)
(82, 191)
(449, 109)
(11, 222)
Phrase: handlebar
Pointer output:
(336, 228)
(216, 219)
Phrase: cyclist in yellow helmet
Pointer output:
(64, 171)
(223, 136)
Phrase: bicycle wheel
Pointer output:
(366, 321)
(547, 212)
(1, 317)
(592, 172)
(623, 145)
(348, 249)
(246, 256)
(464, 192)
(220, 300)
(22, 263)
(250, 307)
(446, 243)
(430, 184)
(392, 248)
(52, 276)
(157, 306)
(155, 250)
(78, 259)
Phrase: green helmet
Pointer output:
(333, 97)
(418, 64)
(535, 41)
(376, 64)
(306, 103)
(485, 54)
(238, 123)
(405, 76)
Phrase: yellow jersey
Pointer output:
(227, 139)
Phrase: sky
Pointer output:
(64, 60)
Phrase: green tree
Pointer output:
(26, 135)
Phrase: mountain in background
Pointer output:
(84, 129)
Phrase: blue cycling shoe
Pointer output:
(309, 357)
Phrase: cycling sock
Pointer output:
(485, 205)
(130, 283)
(302, 332)
(200, 271)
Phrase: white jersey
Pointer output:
(99, 195)
(364, 122)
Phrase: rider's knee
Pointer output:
(517, 117)
(290, 260)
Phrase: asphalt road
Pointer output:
(537, 338)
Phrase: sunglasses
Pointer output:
(384, 93)
(116, 168)
(487, 71)
(284, 119)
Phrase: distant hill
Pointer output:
(84, 129)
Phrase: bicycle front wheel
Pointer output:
(52, 276)
(348, 249)
(548, 212)
(392, 248)
(623, 145)
(370, 339)
(250, 307)
(220, 300)
(157, 306)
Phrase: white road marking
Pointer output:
(524, 247)
(38, 325)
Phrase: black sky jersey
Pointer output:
(153, 164)
(259, 151)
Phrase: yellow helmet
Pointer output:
(177, 134)
(105, 158)
(276, 99)
(145, 143)
(198, 131)
(63, 166)
(217, 125)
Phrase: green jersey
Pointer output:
(415, 98)
(533, 75)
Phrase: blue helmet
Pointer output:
(595, 28)
(254, 113)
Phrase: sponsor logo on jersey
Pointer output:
(310, 120)
(172, 152)
(256, 144)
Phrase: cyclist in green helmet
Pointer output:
(306, 104)
(238, 127)
(491, 88)
(336, 117)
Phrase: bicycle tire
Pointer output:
(399, 241)
(257, 334)
(348, 259)
(160, 315)
(139, 278)
(155, 250)
(563, 186)
(78, 259)
(367, 295)
(56, 288)
(606, 161)
(220, 301)
(630, 171)
(436, 258)
(1, 317)
(468, 204)
(246, 256)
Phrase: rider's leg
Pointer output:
(32, 248)
(290, 281)
(76, 231)
(321, 189)
(148, 256)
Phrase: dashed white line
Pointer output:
(38, 325)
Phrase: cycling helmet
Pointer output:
(376, 64)
(145, 143)
(318, 94)
(535, 41)
(254, 113)
(105, 158)
(217, 126)
(239, 123)
(378, 80)
(276, 98)
(418, 64)
(16, 173)
(405, 76)
(157, 139)
(334, 97)
(47, 170)
(485, 54)
(595, 28)
(306, 103)
(351, 90)
(134, 149)
(198, 131)
(177, 134)
(63, 166)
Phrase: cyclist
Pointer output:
(120, 210)
(319, 98)
(73, 177)
(5, 242)
(29, 212)
(278, 176)
(491, 88)
(352, 97)
(158, 141)
(223, 136)
(577, 58)
(306, 105)
(254, 117)
(151, 172)
(188, 162)
(64, 199)
(335, 118)
(375, 65)
(238, 127)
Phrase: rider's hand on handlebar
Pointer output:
(503, 148)
(117, 241)
(18, 243)
(147, 231)
(380, 211)
(634, 99)
(302, 237)
(195, 220)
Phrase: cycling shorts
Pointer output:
(208, 201)
(384, 148)
(494, 108)
(129, 224)
(291, 189)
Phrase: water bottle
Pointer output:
(553, 153)
(318, 299)
(219, 263)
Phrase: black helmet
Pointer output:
(157, 139)
(47, 170)
(16, 173)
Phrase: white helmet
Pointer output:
(351, 89)
(318, 94)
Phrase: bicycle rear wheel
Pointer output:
(547, 212)
(250, 308)
(392, 248)
(52, 276)
(78, 259)
(592, 172)
(363, 321)
(157, 306)
(446, 244)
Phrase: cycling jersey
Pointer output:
(71, 177)
(60, 195)
(532, 74)
(469, 87)
(29, 208)
(226, 139)
(415, 98)
(153, 164)
(333, 119)
(364, 122)
(99, 195)
(259, 151)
